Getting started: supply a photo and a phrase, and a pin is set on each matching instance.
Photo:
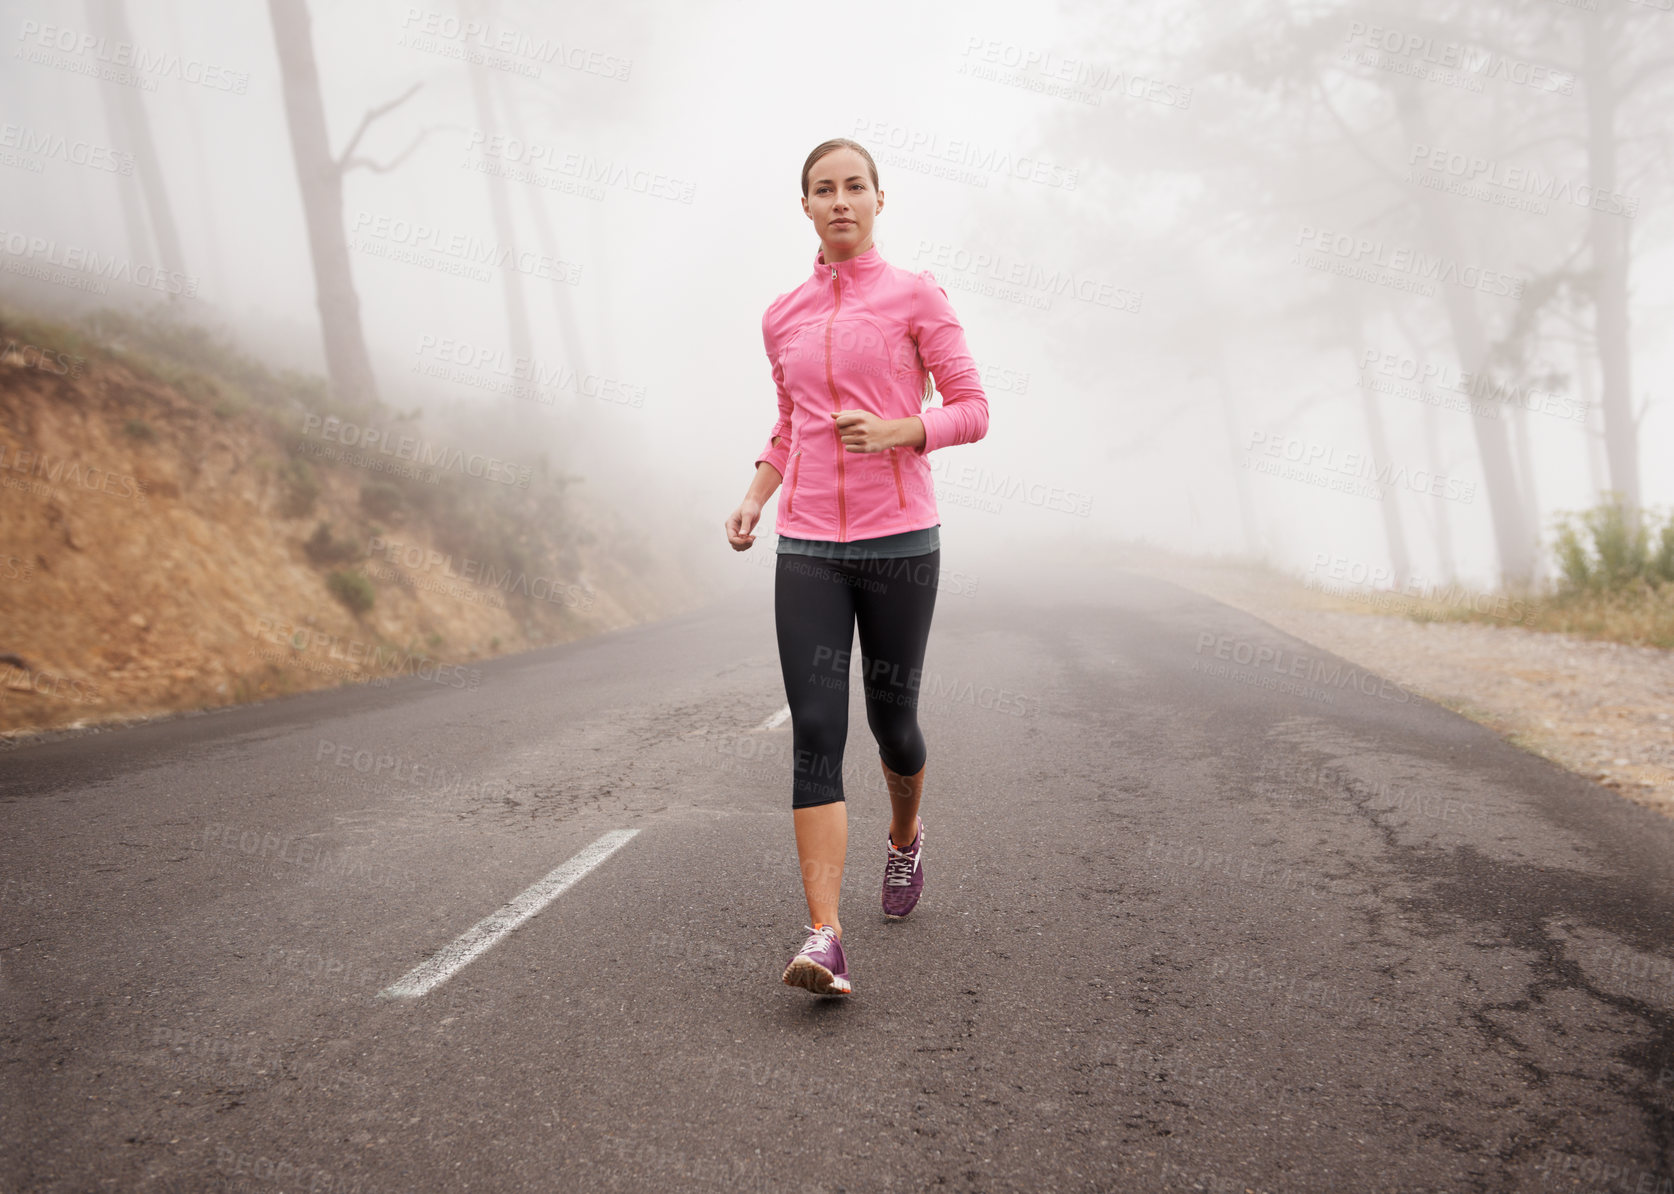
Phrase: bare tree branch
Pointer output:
(1644, 406)
(366, 122)
(369, 164)
(1354, 140)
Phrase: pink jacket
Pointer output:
(859, 335)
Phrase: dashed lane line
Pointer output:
(486, 933)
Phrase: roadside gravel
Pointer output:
(1600, 709)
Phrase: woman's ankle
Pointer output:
(912, 835)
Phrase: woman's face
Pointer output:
(842, 203)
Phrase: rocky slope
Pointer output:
(201, 540)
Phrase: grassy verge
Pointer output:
(1615, 582)
(1640, 616)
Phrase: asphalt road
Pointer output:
(1201, 914)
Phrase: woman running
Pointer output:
(854, 350)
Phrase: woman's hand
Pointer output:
(863, 431)
(741, 522)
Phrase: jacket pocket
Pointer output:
(895, 463)
(796, 472)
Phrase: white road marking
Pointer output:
(486, 933)
(777, 720)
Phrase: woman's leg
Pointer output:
(813, 608)
(894, 602)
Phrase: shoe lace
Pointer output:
(817, 938)
(898, 871)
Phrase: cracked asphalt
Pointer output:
(1206, 909)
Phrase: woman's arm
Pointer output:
(763, 484)
(777, 451)
(863, 431)
(963, 416)
(770, 461)
(741, 523)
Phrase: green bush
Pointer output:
(139, 429)
(300, 487)
(1604, 550)
(353, 589)
(1662, 562)
(322, 548)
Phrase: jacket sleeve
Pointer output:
(776, 454)
(963, 416)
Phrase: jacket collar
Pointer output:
(861, 267)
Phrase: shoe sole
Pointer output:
(811, 976)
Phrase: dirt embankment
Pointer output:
(161, 548)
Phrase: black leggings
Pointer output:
(817, 604)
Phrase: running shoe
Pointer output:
(819, 965)
(904, 876)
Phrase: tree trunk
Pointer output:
(124, 105)
(141, 244)
(1609, 237)
(1353, 331)
(1447, 565)
(208, 240)
(1598, 469)
(1528, 480)
(1240, 474)
(1512, 541)
(568, 329)
(320, 177)
(499, 206)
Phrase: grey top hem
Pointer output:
(903, 543)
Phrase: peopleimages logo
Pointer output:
(961, 151)
(1047, 72)
(303, 853)
(1365, 253)
(66, 40)
(1312, 669)
(47, 360)
(1453, 55)
(464, 248)
(479, 572)
(1441, 376)
(532, 161)
(1477, 174)
(1358, 465)
(56, 146)
(492, 368)
(39, 251)
(1027, 277)
(358, 655)
(1341, 576)
(60, 471)
(420, 452)
(502, 39)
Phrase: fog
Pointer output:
(1220, 265)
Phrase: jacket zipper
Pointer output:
(831, 384)
(895, 463)
(796, 472)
